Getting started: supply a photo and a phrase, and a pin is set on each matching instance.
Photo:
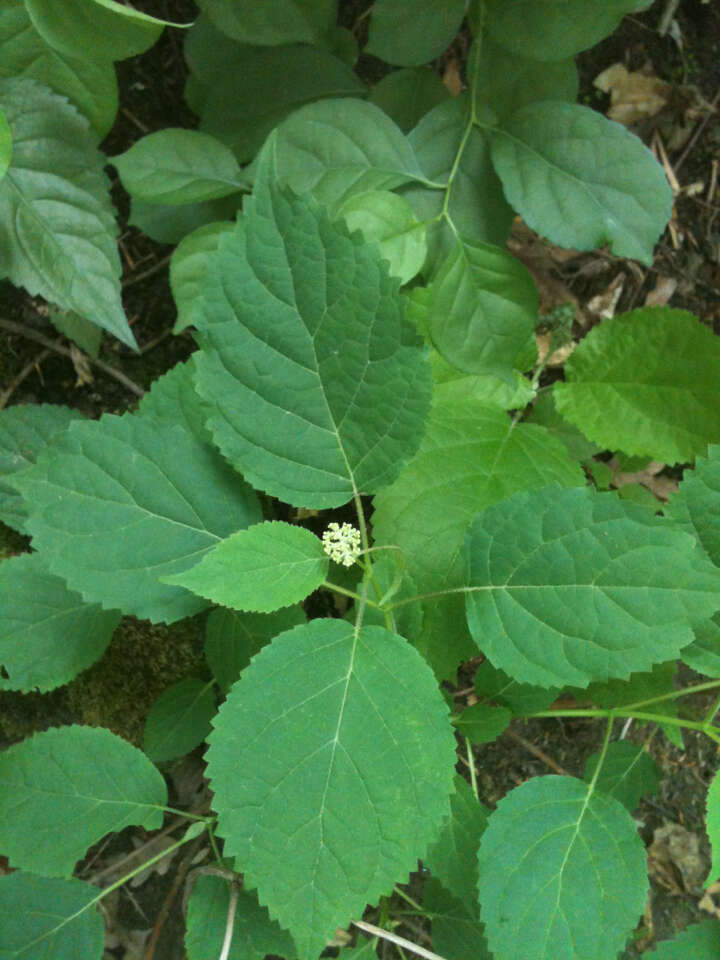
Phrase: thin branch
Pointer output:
(536, 751)
(150, 272)
(24, 373)
(398, 941)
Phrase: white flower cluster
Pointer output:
(342, 543)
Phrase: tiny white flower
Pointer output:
(342, 543)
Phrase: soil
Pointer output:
(143, 660)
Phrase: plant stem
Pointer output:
(675, 694)
(601, 759)
(230, 922)
(428, 596)
(710, 715)
(407, 899)
(636, 715)
(346, 593)
(471, 765)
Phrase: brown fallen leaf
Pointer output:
(634, 96)
(603, 305)
(661, 293)
(676, 861)
(650, 477)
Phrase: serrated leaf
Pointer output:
(569, 586)
(544, 412)
(486, 389)
(482, 723)
(628, 773)
(173, 401)
(582, 180)
(456, 930)
(388, 219)
(445, 641)
(452, 859)
(286, 21)
(320, 386)
(704, 654)
(25, 431)
(520, 698)
(254, 934)
(645, 382)
(482, 308)
(187, 269)
(121, 501)
(64, 789)
(57, 224)
(409, 33)
(698, 497)
(407, 95)
(332, 740)
(177, 166)
(49, 915)
(701, 941)
(89, 84)
(232, 639)
(562, 873)
(179, 720)
(712, 824)
(48, 634)
(271, 565)
(638, 687)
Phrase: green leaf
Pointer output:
(638, 687)
(25, 431)
(271, 565)
(64, 789)
(187, 269)
(80, 330)
(388, 219)
(121, 501)
(333, 740)
(544, 412)
(173, 402)
(699, 498)
(49, 915)
(336, 148)
(283, 21)
(444, 641)
(569, 586)
(408, 619)
(582, 180)
(48, 634)
(701, 941)
(104, 29)
(452, 859)
(171, 224)
(483, 305)
(562, 873)
(482, 723)
(712, 824)
(364, 950)
(232, 639)
(627, 774)
(645, 382)
(176, 166)
(179, 720)
(89, 84)
(488, 390)
(407, 95)
(57, 225)
(704, 654)
(520, 698)
(411, 32)
(5, 145)
(456, 929)
(254, 934)
(548, 30)
(320, 386)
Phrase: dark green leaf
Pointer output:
(407, 95)
(628, 772)
(411, 32)
(179, 720)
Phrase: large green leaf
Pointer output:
(562, 873)
(254, 934)
(569, 586)
(175, 166)
(64, 789)
(333, 741)
(271, 565)
(645, 383)
(628, 772)
(407, 95)
(57, 226)
(187, 269)
(582, 180)
(48, 918)
(699, 941)
(320, 386)
(283, 21)
(699, 498)
(121, 501)
(89, 84)
(409, 33)
(179, 719)
(48, 634)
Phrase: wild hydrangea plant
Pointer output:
(365, 350)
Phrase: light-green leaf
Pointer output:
(699, 498)
(179, 166)
(332, 741)
(187, 269)
(562, 873)
(179, 720)
(712, 824)
(49, 918)
(320, 386)
(699, 941)
(48, 634)
(388, 219)
(645, 383)
(64, 789)
(704, 654)
(262, 24)
(582, 180)
(628, 772)
(271, 565)
(569, 586)
(409, 33)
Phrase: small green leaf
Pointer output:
(388, 219)
(704, 654)
(544, 412)
(5, 145)
(699, 497)
(628, 773)
(179, 720)
(332, 740)
(456, 929)
(254, 934)
(407, 95)
(645, 382)
(49, 918)
(569, 586)
(699, 941)
(411, 32)
(582, 180)
(271, 565)
(482, 723)
(80, 330)
(486, 389)
(171, 224)
(520, 698)
(712, 824)
(562, 873)
(283, 21)
(232, 639)
(176, 166)
(64, 789)
(48, 634)
(187, 269)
